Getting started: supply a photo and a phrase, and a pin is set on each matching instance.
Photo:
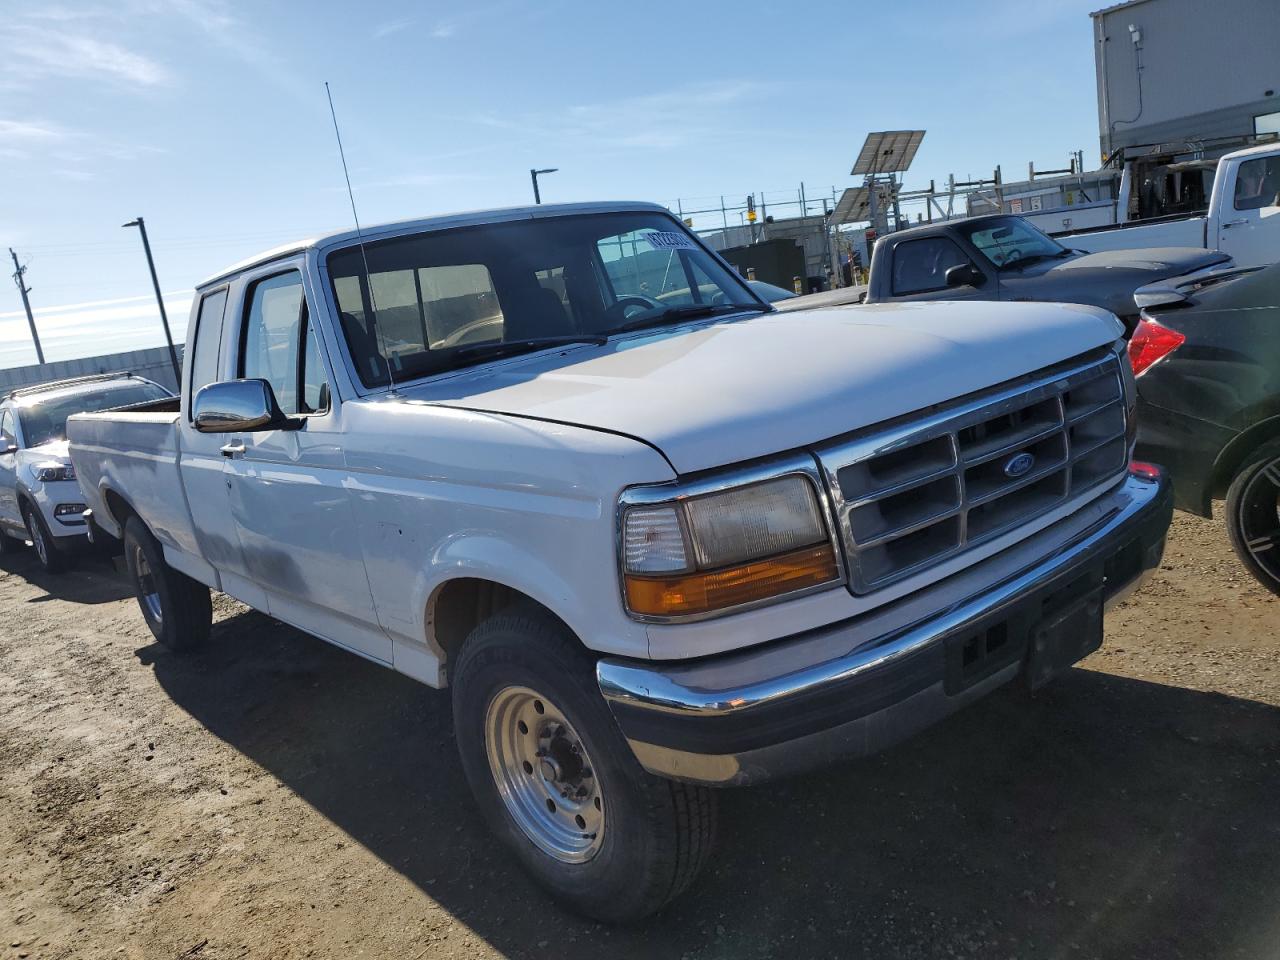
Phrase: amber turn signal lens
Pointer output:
(691, 593)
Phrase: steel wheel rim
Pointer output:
(543, 774)
(37, 539)
(1258, 517)
(147, 591)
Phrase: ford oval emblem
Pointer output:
(1019, 465)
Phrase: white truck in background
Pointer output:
(1243, 219)
(654, 535)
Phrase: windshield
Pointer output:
(1010, 241)
(46, 420)
(439, 295)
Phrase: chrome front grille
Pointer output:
(911, 496)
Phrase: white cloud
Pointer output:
(36, 51)
(390, 27)
(87, 329)
(656, 121)
(29, 131)
(442, 31)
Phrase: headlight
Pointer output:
(725, 549)
(49, 472)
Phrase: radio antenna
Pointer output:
(364, 257)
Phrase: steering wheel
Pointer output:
(617, 310)
(1010, 256)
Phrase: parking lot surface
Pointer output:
(272, 796)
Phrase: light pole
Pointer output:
(164, 317)
(533, 175)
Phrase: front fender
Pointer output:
(490, 557)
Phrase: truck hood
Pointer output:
(1108, 279)
(711, 394)
(1152, 264)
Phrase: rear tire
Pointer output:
(524, 684)
(42, 540)
(177, 609)
(1253, 515)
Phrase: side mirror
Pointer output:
(10, 447)
(240, 406)
(963, 275)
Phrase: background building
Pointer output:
(1179, 70)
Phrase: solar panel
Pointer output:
(854, 205)
(889, 151)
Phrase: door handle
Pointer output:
(233, 449)
(1234, 223)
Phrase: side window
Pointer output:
(920, 266)
(277, 346)
(7, 434)
(1258, 183)
(208, 341)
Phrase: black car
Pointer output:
(1208, 372)
(1003, 257)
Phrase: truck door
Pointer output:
(289, 498)
(9, 515)
(202, 464)
(1248, 211)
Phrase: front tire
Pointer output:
(177, 609)
(554, 777)
(1253, 515)
(42, 540)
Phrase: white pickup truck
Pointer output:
(654, 535)
(1243, 219)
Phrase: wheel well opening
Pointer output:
(1239, 450)
(461, 605)
(119, 508)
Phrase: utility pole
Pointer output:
(533, 175)
(164, 317)
(18, 272)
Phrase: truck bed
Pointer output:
(1160, 232)
(135, 450)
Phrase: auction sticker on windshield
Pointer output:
(661, 240)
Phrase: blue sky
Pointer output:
(209, 119)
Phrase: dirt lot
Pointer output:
(275, 797)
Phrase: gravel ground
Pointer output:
(275, 797)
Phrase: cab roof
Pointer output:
(439, 222)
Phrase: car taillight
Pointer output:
(1151, 342)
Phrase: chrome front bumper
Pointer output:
(861, 685)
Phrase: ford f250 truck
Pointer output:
(656, 537)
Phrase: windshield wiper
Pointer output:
(1029, 258)
(688, 311)
(510, 348)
